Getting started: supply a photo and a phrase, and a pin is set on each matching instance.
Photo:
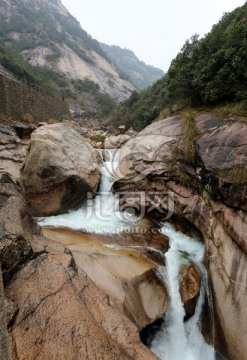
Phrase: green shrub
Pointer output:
(190, 133)
(86, 85)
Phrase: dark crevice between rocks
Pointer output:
(219, 356)
(148, 333)
(24, 131)
(25, 258)
(12, 319)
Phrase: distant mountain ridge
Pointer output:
(46, 36)
(42, 42)
(139, 74)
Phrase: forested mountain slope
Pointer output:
(139, 74)
(63, 56)
(206, 72)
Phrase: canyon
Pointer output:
(89, 295)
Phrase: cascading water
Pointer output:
(99, 214)
(179, 340)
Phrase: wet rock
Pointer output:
(60, 169)
(190, 282)
(109, 154)
(224, 230)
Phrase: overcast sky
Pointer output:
(154, 29)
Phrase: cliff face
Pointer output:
(140, 74)
(196, 167)
(45, 34)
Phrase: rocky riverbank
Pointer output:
(200, 161)
(71, 295)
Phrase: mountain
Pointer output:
(207, 72)
(62, 55)
(139, 74)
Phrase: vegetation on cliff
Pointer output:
(138, 73)
(206, 72)
(37, 38)
(43, 24)
(48, 79)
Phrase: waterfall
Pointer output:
(178, 340)
(99, 214)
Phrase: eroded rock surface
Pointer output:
(65, 316)
(53, 308)
(17, 228)
(206, 177)
(124, 270)
(115, 142)
(60, 168)
(12, 151)
(222, 155)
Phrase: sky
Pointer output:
(154, 29)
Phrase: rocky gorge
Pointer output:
(200, 161)
(76, 295)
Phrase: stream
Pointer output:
(99, 214)
(177, 339)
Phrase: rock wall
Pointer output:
(18, 99)
(201, 163)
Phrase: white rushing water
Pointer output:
(179, 340)
(99, 214)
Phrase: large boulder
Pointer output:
(200, 162)
(151, 152)
(17, 228)
(124, 270)
(63, 316)
(219, 161)
(190, 283)
(115, 142)
(60, 169)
